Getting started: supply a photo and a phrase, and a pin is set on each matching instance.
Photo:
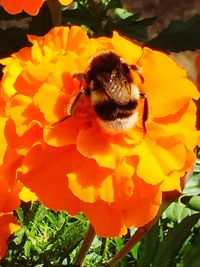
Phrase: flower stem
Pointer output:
(55, 9)
(85, 245)
(139, 234)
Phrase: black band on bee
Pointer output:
(110, 110)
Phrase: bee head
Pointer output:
(103, 66)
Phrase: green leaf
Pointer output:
(81, 16)
(101, 18)
(195, 202)
(20, 214)
(27, 248)
(18, 236)
(197, 166)
(114, 4)
(119, 243)
(179, 36)
(131, 27)
(176, 212)
(122, 13)
(173, 241)
(135, 249)
(192, 258)
(149, 247)
(193, 185)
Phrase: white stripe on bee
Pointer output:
(135, 92)
(118, 125)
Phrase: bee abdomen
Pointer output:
(109, 111)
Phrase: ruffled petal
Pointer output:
(13, 8)
(144, 205)
(8, 225)
(49, 183)
(86, 178)
(169, 84)
(102, 216)
(32, 7)
(108, 151)
(3, 146)
(26, 195)
(65, 2)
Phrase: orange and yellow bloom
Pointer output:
(31, 7)
(9, 199)
(8, 225)
(116, 180)
(11, 189)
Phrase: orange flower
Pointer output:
(31, 7)
(11, 189)
(7, 226)
(116, 180)
(9, 200)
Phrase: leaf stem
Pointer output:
(85, 245)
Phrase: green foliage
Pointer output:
(173, 241)
(149, 247)
(192, 257)
(103, 17)
(179, 36)
(46, 238)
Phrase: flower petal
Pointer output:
(22, 143)
(3, 146)
(129, 51)
(32, 7)
(81, 179)
(167, 90)
(65, 2)
(26, 195)
(49, 183)
(12, 8)
(8, 225)
(108, 151)
(101, 210)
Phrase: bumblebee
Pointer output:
(113, 93)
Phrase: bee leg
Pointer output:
(145, 112)
(70, 109)
(138, 70)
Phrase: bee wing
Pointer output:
(118, 89)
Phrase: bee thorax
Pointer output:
(118, 125)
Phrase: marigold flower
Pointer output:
(9, 200)
(31, 7)
(7, 226)
(11, 191)
(116, 180)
